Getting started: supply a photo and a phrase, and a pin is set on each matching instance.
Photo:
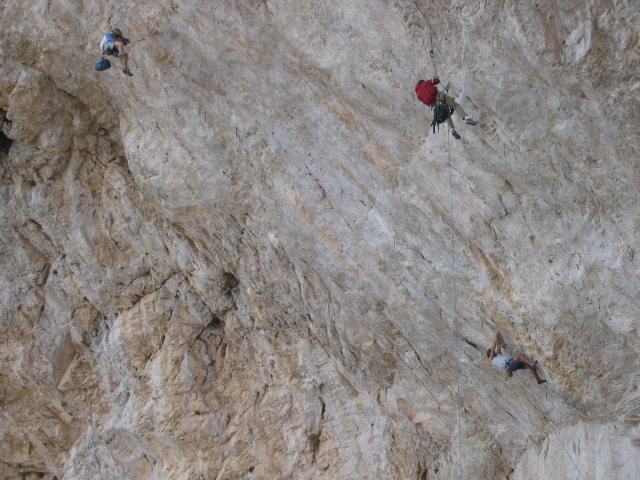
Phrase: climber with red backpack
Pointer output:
(442, 105)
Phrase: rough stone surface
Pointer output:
(237, 264)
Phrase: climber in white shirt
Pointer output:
(494, 354)
(113, 43)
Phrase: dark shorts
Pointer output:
(110, 49)
(513, 365)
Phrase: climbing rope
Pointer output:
(552, 423)
(144, 213)
(91, 440)
(455, 303)
(431, 51)
(453, 267)
(453, 257)
(165, 360)
(165, 367)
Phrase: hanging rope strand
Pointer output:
(453, 258)
(453, 267)
(139, 184)
(455, 304)
(554, 430)
(431, 51)
(165, 367)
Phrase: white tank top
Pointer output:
(499, 361)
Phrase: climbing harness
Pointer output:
(440, 114)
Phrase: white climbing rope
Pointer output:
(431, 51)
(144, 210)
(552, 423)
(453, 259)
(453, 266)
(455, 303)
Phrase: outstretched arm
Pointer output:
(496, 348)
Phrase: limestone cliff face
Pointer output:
(238, 263)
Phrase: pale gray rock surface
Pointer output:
(237, 264)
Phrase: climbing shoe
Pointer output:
(534, 363)
(121, 54)
(126, 71)
(468, 120)
(455, 134)
(541, 381)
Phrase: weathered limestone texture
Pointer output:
(237, 264)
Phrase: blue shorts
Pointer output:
(513, 365)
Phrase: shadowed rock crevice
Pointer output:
(5, 143)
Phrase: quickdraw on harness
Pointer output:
(440, 114)
(441, 111)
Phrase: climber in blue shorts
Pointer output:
(113, 43)
(494, 354)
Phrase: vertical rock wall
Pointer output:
(237, 263)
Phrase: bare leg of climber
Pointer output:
(122, 54)
(450, 123)
(447, 100)
(455, 134)
(521, 358)
(443, 98)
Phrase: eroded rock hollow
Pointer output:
(253, 259)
